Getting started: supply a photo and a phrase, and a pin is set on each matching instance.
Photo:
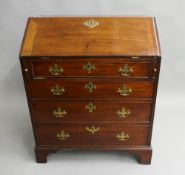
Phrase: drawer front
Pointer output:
(118, 112)
(68, 88)
(92, 135)
(92, 68)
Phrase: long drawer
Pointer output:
(78, 111)
(89, 89)
(91, 135)
(92, 67)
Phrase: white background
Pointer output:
(16, 138)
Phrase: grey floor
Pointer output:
(16, 138)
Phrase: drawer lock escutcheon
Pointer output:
(90, 86)
(124, 90)
(57, 90)
(89, 67)
(56, 70)
(92, 129)
(122, 136)
(125, 70)
(62, 135)
(123, 113)
(90, 107)
(59, 112)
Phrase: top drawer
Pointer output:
(92, 68)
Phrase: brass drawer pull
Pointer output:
(56, 70)
(122, 136)
(124, 90)
(57, 90)
(123, 113)
(62, 135)
(59, 112)
(89, 67)
(90, 107)
(90, 86)
(92, 129)
(125, 70)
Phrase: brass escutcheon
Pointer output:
(92, 129)
(91, 23)
(90, 86)
(90, 107)
(89, 67)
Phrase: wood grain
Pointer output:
(78, 135)
(105, 112)
(102, 69)
(114, 36)
(75, 89)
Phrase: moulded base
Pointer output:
(144, 154)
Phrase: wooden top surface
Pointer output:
(68, 36)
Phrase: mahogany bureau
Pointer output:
(91, 83)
